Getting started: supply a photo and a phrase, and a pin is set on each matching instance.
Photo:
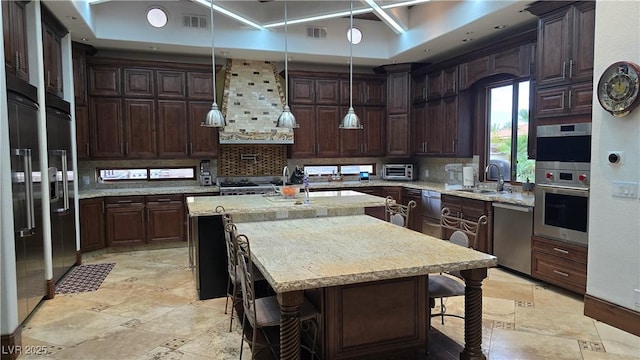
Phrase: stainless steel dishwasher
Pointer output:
(512, 229)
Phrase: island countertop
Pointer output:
(245, 208)
(344, 250)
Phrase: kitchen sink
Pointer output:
(480, 191)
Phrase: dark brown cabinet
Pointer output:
(125, 221)
(82, 132)
(52, 33)
(165, 218)
(515, 61)
(203, 141)
(398, 90)
(437, 129)
(104, 81)
(564, 61)
(302, 91)
(138, 82)
(442, 83)
(79, 58)
(471, 209)
(365, 92)
(559, 263)
(200, 86)
(139, 128)
(14, 26)
(107, 135)
(327, 91)
(172, 129)
(171, 84)
(305, 135)
(369, 141)
(398, 135)
(326, 131)
(92, 230)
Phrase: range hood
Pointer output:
(252, 101)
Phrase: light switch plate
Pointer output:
(637, 291)
(624, 189)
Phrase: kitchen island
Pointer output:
(207, 252)
(368, 278)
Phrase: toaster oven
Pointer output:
(399, 172)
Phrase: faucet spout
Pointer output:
(285, 175)
(500, 186)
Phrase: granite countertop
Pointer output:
(505, 197)
(343, 250)
(245, 208)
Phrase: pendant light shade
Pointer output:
(214, 116)
(351, 120)
(286, 119)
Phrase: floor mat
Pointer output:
(84, 278)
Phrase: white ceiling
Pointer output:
(434, 29)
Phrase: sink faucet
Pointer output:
(285, 175)
(500, 186)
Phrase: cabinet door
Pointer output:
(52, 51)
(373, 134)
(125, 222)
(346, 90)
(200, 86)
(82, 132)
(327, 135)
(203, 141)
(92, 224)
(106, 129)
(79, 77)
(419, 130)
(14, 27)
(373, 92)
(138, 82)
(165, 219)
(582, 41)
(450, 126)
(172, 128)
(140, 128)
(302, 91)
(553, 47)
(104, 81)
(327, 92)
(435, 127)
(171, 84)
(398, 93)
(304, 145)
(351, 143)
(581, 98)
(398, 135)
(450, 81)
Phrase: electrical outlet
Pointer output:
(637, 291)
(426, 173)
(624, 189)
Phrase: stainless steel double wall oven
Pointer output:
(563, 161)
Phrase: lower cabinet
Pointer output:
(165, 218)
(471, 209)
(92, 224)
(559, 263)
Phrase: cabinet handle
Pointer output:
(147, 215)
(564, 66)
(560, 250)
(163, 200)
(124, 201)
(18, 60)
(87, 146)
(103, 206)
(453, 144)
(48, 78)
(122, 148)
(570, 69)
(364, 146)
(561, 273)
(190, 148)
(570, 96)
(318, 152)
(126, 147)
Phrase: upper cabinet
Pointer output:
(514, 61)
(52, 33)
(365, 92)
(442, 83)
(564, 61)
(104, 80)
(14, 26)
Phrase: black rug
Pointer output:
(84, 278)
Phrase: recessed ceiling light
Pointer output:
(467, 40)
(427, 50)
(70, 17)
(154, 48)
(499, 27)
(85, 39)
(469, 32)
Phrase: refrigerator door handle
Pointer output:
(65, 179)
(28, 193)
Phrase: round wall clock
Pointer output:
(618, 88)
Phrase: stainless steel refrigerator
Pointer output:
(61, 176)
(27, 201)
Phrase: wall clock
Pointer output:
(618, 88)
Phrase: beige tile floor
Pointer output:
(147, 309)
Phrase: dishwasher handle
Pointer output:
(526, 209)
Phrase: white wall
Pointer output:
(614, 223)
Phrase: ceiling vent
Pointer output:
(195, 21)
(316, 32)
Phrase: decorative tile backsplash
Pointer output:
(252, 102)
(251, 160)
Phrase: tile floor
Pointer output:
(147, 309)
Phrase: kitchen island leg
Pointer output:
(290, 324)
(473, 314)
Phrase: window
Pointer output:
(146, 174)
(508, 123)
(348, 169)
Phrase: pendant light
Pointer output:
(286, 119)
(351, 120)
(214, 116)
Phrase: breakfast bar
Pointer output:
(368, 278)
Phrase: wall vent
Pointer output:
(195, 21)
(316, 32)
